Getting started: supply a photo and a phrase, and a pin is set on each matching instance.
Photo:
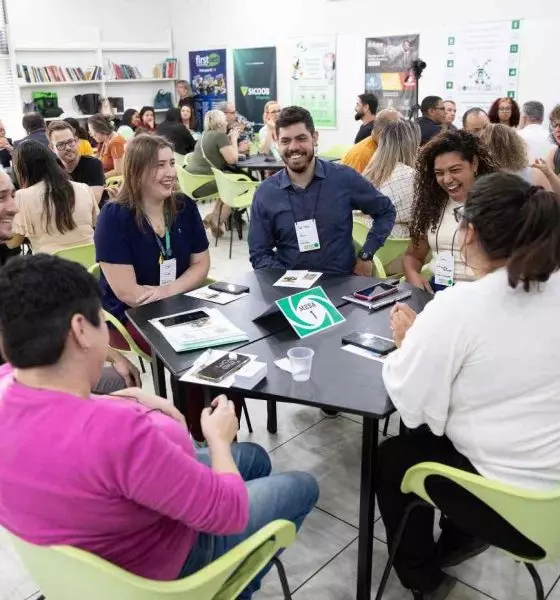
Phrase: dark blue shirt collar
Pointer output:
(286, 182)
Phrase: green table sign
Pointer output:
(310, 311)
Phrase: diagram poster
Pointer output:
(208, 80)
(255, 81)
(313, 78)
(389, 70)
(482, 63)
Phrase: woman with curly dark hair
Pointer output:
(553, 159)
(505, 111)
(445, 173)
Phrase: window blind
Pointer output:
(10, 108)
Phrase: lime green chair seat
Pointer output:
(335, 152)
(190, 183)
(66, 573)
(114, 180)
(179, 159)
(236, 191)
(359, 235)
(532, 514)
(127, 343)
(83, 254)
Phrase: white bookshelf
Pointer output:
(138, 92)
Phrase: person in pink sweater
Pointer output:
(117, 476)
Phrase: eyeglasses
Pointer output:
(459, 213)
(504, 109)
(67, 144)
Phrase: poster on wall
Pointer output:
(389, 70)
(313, 78)
(482, 63)
(208, 80)
(254, 72)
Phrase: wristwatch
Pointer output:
(365, 256)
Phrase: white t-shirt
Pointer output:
(446, 239)
(481, 364)
(538, 141)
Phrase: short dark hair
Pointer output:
(173, 115)
(291, 115)
(370, 100)
(32, 122)
(494, 111)
(59, 126)
(39, 295)
(429, 102)
(518, 223)
(475, 110)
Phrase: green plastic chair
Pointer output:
(129, 345)
(66, 573)
(335, 152)
(179, 159)
(236, 191)
(532, 514)
(359, 235)
(189, 184)
(83, 254)
(114, 180)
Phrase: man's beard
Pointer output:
(359, 115)
(308, 159)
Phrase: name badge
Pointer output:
(445, 268)
(307, 236)
(167, 271)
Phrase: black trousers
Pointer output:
(415, 562)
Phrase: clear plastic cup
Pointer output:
(301, 360)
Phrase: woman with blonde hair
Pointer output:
(268, 142)
(509, 151)
(215, 149)
(391, 170)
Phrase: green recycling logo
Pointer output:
(309, 311)
(244, 90)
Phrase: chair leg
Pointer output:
(386, 426)
(395, 547)
(219, 222)
(246, 414)
(283, 579)
(231, 219)
(142, 364)
(536, 580)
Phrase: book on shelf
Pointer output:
(56, 73)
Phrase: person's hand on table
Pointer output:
(420, 283)
(363, 267)
(127, 371)
(219, 423)
(153, 293)
(402, 318)
(152, 402)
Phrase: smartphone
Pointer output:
(189, 317)
(377, 291)
(370, 341)
(229, 288)
(223, 367)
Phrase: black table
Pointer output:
(258, 163)
(340, 380)
(240, 312)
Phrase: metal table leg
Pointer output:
(367, 507)
(272, 420)
(158, 374)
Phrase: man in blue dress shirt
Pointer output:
(301, 217)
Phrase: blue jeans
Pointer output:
(280, 496)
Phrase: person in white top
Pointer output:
(478, 369)
(446, 171)
(268, 143)
(533, 132)
(54, 213)
(391, 170)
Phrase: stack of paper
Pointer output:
(205, 293)
(298, 279)
(216, 330)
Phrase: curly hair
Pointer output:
(430, 198)
(554, 117)
(506, 146)
(494, 112)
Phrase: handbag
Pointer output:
(117, 103)
(88, 104)
(163, 100)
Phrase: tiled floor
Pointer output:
(321, 565)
